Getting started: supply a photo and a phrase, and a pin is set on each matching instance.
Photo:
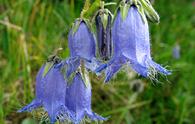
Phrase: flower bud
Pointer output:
(103, 21)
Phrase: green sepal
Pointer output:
(47, 67)
(84, 74)
(85, 78)
(150, 12)
(104, 16)
(141, 11)
(124, 8)
(104, 20)
(76, 25)
(70, 78)
(52, 59)
(89, 25)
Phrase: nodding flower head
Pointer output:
(103, 21)
(132, 45)
(78, 99)
(50, 93)
(81, 41)
(82, 46)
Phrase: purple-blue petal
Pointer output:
(114, 67)
(131, 41)
(54, 93)
(39, 93)
(50, 93)
(82, 42)
(72, 65)
(78, 100)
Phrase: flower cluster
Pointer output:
(63, 87)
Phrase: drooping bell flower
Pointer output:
(103, 21)
(50, 93)
(132, 46)
(81, 42)
(78, 99)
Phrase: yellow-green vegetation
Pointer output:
(31, 30)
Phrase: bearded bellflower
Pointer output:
(103, 21)
(78, 99)
(82, 45)
(131, 44)
(50, 93)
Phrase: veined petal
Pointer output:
(114, 67)
(54, 93)
(37, 102)
(82, 42)
(78, 100)
(50, 93)
(30, 107)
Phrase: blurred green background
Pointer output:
(30, 30)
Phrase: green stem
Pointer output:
(111, 3)
(85, 8)
(102, 4)
(90, 10)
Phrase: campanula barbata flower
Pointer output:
(50, 93)
(131, 43)
(78, 99)
(81, 42)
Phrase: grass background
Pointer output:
(30, 30)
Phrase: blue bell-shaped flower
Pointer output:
(50, 93)
(78, 99)
(131, 45)
(82, 45)
(81, 42)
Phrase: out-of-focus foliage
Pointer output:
(30, 30)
